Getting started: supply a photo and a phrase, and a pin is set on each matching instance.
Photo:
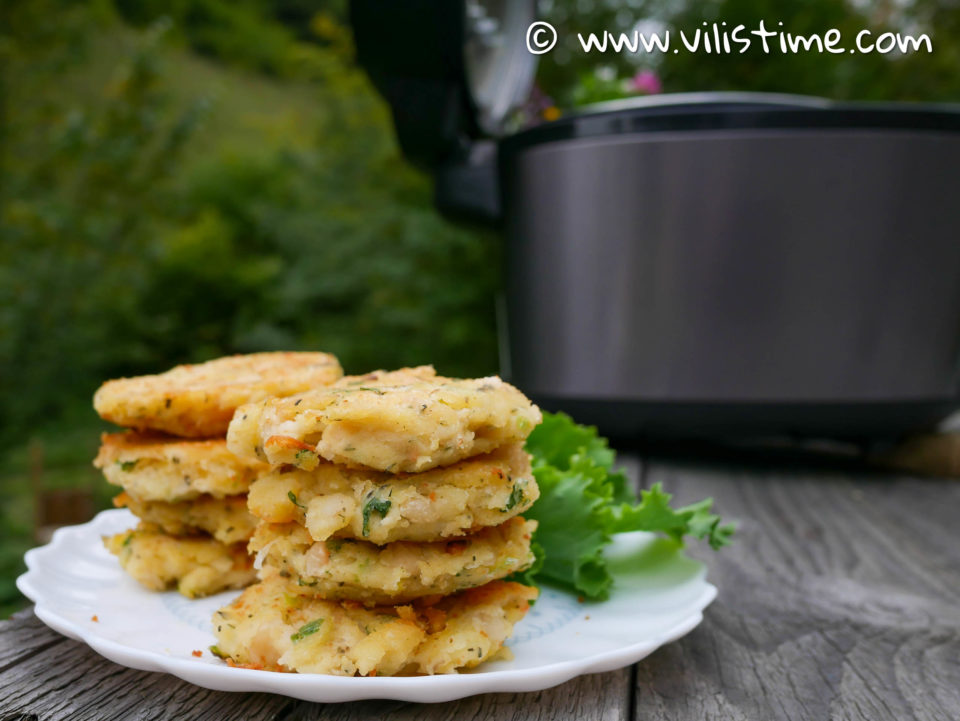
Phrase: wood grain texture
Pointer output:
(67, 680)
(598, 697)
(48, 677)
(840, 599)
(22, 637)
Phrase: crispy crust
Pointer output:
(395, 573)
(198, 401)
(439, 503)
(409, 420)
(266, 628)
(196, 566)
(226, 519)
(155, 467)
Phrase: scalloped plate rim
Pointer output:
(322, 688)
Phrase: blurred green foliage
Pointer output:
(134, 240)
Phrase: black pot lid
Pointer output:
(678, 112)
(452, 70)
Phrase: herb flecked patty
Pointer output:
(408, 420)
(268, 628)
(198, 401)
(395, 573)
(154, 467)
(381, 507)
(226, 519)
(195, 565)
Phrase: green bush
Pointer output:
(134, 241)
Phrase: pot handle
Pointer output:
(448, 86)
(467, 186)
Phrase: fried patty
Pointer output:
(409, 420)
(267, 628)
(196, 566)
(226, 519)
(154, 467)
(198, 401)
(380, 507)
(395, 573)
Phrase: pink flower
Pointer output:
(646, 82)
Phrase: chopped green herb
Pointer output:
(301, 582)
(293, 499)
(126, 541)
(516, 496)
(307, 629)
(215, 650)
(372, 390)
(298, 456)
(128, 465)
(374, 505)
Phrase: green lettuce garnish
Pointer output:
(584, 502)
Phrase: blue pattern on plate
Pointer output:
(196, 613)
(553, 610)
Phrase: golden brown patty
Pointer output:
(198, 401)
(408, 420)
(196, 566)
(226, 519)
(397, 572)
(268, 628)
(380, 507)
(154, 467)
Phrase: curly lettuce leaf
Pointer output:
(572, 530)
(557, 439)
(584, 502)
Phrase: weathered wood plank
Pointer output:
(840, 599)
(22, 636)
(598, 697)
(62, 679)
(66, 680)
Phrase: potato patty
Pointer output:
(198, 401)
(397, 572)
(154, 467)
(408, 420)
(380, 507)
(267, 628)
(196, 566)
(226, 519)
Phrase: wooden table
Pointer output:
(840, 599)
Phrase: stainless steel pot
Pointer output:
(719, 265)
(737, 264)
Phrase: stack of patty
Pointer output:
(387, 523)
(176, 472)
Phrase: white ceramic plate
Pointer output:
(659, 597)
